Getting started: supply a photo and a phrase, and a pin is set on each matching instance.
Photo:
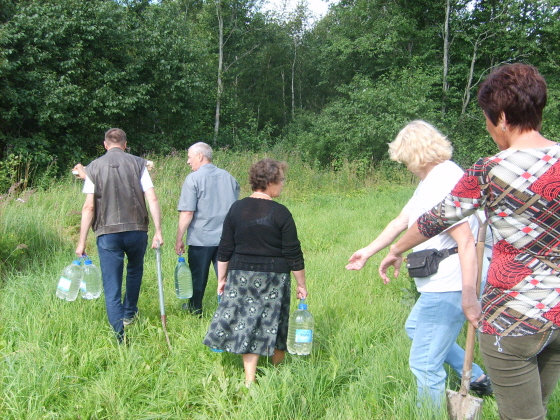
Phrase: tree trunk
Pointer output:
(293, 77)
(467, 94)
(284, 98)
(445, 57)
(220, 68)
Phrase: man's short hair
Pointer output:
(115, 136)
(203, 148)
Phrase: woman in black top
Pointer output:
(258, 249)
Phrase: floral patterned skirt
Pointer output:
(253, 314)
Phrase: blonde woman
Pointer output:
(436, 319)
(519, 188)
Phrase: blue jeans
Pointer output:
(112, 248)
(200, 258)
(433, 326)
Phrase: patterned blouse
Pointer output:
(520, 191)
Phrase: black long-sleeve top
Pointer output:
(260, 235)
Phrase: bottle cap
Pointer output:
(88, 262)
(77, 262)
(181, 259)
(302, 304)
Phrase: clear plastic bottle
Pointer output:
(91, 286)
(70, 280)
(300, 330)
(183, 280)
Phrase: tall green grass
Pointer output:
(59, 360)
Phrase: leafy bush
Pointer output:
(366, 118)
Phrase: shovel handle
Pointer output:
(467, 364)
(480, 243)
(471, 331)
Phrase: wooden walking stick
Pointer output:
(461, 405)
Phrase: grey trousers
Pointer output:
(524, 372)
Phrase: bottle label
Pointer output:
(64, 284)
(304, 336)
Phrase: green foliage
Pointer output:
(63, 74)
(73, 69)
(176, 65)
(369, 116)
(360, 37)
(470, 140)
(375, 40)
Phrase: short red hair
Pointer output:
(519, 91)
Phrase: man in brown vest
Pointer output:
(116, 187)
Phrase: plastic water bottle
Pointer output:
(70, 280)
(183, 280)
(300, 330)
(90, 287)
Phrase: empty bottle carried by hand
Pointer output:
(91, 282)
(70, 280)
(183, 280)
(300, 330)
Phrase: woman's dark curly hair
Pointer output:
(264, 172)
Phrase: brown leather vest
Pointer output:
(119, 200)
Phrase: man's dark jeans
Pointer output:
(112, 248)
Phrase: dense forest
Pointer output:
(173, 72)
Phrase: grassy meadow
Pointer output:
(59, 360)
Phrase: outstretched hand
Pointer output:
(357, 260)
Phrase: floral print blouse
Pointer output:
(520, 191)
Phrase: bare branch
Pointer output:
(246, 53)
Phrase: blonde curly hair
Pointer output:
(419, 144)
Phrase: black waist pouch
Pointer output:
(425, 263)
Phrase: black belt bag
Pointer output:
(425, 263)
